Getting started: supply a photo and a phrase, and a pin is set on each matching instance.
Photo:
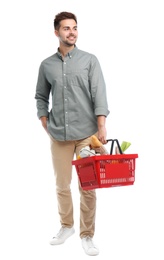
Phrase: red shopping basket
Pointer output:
(103, 171)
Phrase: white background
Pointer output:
(128, 39)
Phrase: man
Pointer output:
(79, 110)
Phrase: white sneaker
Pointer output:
(63, 234)
(89, 247)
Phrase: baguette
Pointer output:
(95, 143)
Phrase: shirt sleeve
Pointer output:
(98, 88)
(43, 89)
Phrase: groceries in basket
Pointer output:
(97, 148)
(94, 148)
(124, 146)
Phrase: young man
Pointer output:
(79, 110)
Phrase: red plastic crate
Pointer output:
(105, 171)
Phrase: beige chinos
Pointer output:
(62, 156)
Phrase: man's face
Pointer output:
(67, 32)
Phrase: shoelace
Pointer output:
(90, 242)
(60, 233)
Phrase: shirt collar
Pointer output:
(69, 54)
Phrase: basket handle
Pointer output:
(112, 144)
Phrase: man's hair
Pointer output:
(62, 16)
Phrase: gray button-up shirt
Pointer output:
(78, 94)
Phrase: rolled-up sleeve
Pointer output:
(43, 89)
(98, 88)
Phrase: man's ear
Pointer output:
(56, 33)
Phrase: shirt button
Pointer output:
(64, 74)
(66, 125)
(65, 99)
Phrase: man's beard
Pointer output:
(68, 43)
